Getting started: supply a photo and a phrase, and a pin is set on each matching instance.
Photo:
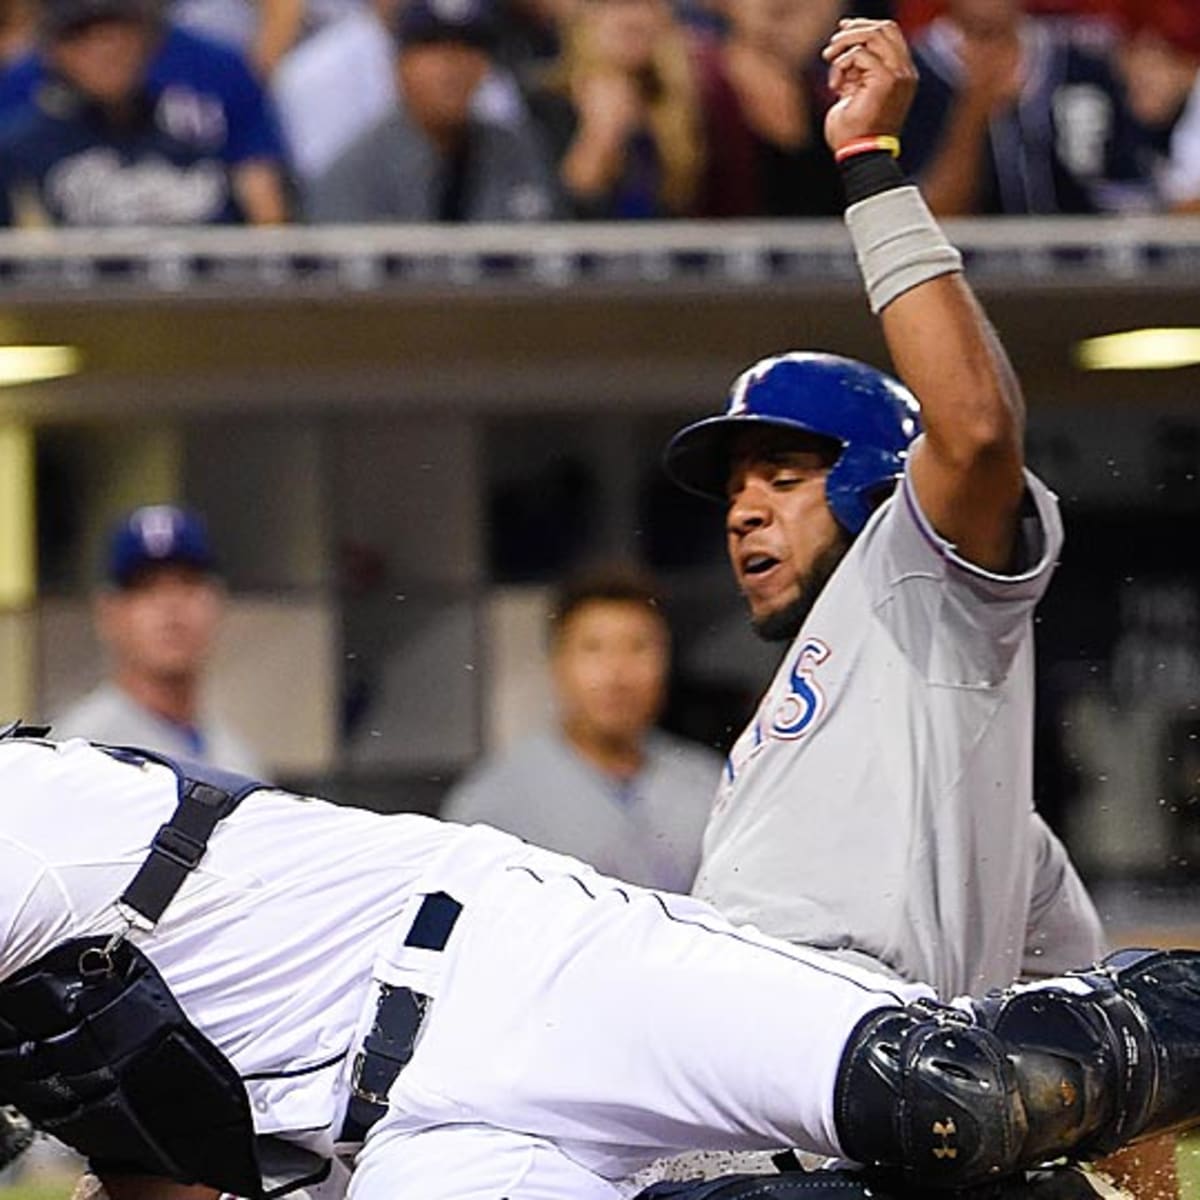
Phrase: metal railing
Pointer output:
(1073, 252)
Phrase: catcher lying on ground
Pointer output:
(191, 963)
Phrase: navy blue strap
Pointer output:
(17, 729)
(206, 795)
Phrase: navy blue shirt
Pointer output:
(201, 113)
(1069, 145)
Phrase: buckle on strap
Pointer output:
(386, 1051)
(171, 842)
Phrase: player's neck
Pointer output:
(620, 757)
(174, 699)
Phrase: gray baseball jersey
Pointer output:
(880, 802)
(647, 830)
(112, 716)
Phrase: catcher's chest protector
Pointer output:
(95, 1050)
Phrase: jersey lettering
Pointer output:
(800, 708)
(794, 716)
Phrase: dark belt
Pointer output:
(388, 1047)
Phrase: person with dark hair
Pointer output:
(603, 784)
(764, 99)
(1015, 114)
(1160, 63)
(433, 157)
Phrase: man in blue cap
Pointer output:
(158, 617)
(118, 117)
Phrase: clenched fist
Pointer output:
(873, 76)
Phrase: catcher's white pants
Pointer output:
(580, 1027)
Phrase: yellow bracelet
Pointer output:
(867, 145)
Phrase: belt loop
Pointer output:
(434, 922)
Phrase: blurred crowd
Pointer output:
(151, 112)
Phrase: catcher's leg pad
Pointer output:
(926, 1090)
(1129, 1043)
(1075, 1067)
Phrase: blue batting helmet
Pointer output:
(872, 416)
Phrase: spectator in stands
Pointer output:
(531, 33)
(1014, 114)
(1161, 63)
(16, 31)
(603, 784)
(121, 119)
(434, 157)
(621, 112)
(764, 100)
(262, 31)
(158, 616)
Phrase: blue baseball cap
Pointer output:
(158, 535)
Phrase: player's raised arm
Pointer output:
(967, 468)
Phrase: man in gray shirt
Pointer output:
(434, 157)
(158, 617)
(603, 784)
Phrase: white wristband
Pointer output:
(898, 244)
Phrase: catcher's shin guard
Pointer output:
(1074, 1067)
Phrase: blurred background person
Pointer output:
(434, 157)
(262, 31)
(531, 33)
(603, 783)
(119, 118)
(16, 31)
(1160, 59)
(620, 111)
(1019, 114)
(158, 617)
(764, 99)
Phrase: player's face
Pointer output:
(162, 626)
(610, 665)
(782, 538)
(104, 59)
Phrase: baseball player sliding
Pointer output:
(188, 960)
(879, 805)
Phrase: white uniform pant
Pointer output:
(580, 1028)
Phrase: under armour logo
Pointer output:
(946, 1131)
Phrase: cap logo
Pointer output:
(156, 528)
(739, 398)
(454, 12)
